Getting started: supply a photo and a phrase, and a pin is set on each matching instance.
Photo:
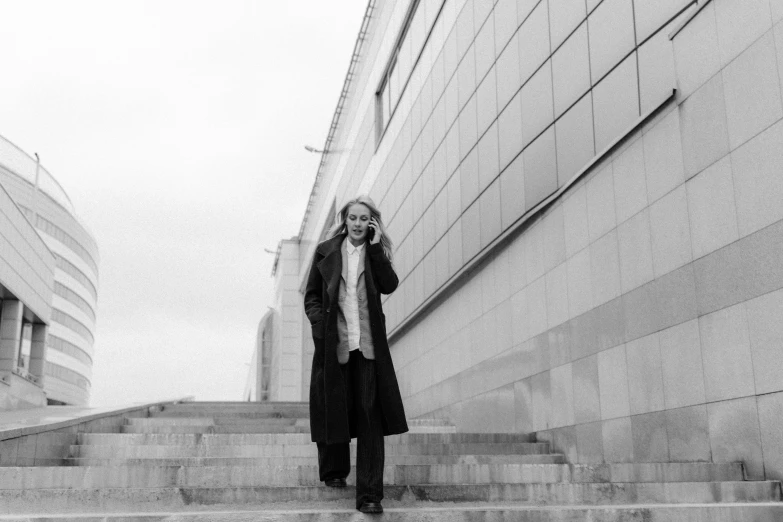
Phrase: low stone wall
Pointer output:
(48, 443)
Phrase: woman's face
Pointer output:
(357, 221)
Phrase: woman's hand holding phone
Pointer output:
(374, 232)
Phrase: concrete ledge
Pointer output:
(19, 392)
(688, 19)
(20, 423)
(235, 439)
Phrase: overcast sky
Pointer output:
(177, 129)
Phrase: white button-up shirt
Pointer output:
(351, 302)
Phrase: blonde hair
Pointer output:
(340, 227)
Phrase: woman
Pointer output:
(353, 386)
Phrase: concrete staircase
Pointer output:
(251, 461)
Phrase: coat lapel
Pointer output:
(331, 265)
(366, 267)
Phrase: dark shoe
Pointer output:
(336, 483)
(371, 507)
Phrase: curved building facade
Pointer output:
(71, 332)
(262, 382)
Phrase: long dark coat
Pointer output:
(329, 422)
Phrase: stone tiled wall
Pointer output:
(509, 100)
(638, 319)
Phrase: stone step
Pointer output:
(550, 458)
(299, 407)
(303, 450)
(429, 422)
(644, 472)
(269, 476)
(225, 420)
(264, 410)
(244, 406)
(432, 429)
(21, 501)
(394, 511)
(283, 409)
(293, 474)
(192, 439)
(252, 423)
(231, 428)
(183, 414)
(282, 413)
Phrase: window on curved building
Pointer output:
(25, 347)
(266, 362)
(67, 375)
(73, 324)
(63, 237)
(73, 271)
(61, 345)
(74, 298)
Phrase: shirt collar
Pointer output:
(352, 249)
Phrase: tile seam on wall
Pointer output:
(551, 59)
(589, 72)
(637, 46)
(765, 129)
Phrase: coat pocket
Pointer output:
(318, 330)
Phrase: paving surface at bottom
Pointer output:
(440, 512)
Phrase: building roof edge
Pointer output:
(337, 112)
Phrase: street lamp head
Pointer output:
(308, 148)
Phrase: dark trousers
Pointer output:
(334, 460)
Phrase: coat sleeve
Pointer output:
(385, 276)
(313, 299)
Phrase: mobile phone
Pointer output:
(370, 233)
